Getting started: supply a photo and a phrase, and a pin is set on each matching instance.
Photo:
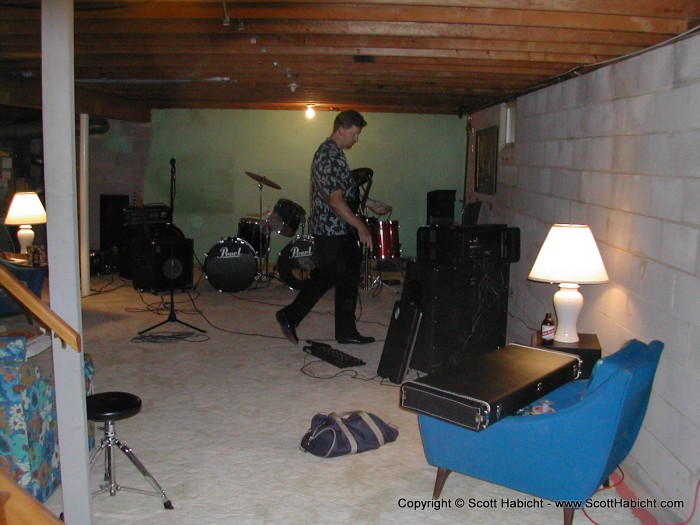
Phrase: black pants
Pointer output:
(338, 261)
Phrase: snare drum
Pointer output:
(385, 238)
(231, 265)
(286, 217)
(296, 261)
(256, 232)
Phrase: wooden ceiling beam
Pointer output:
(279, 52)
(395, 13)
(659, 8)
(146, 28)
(438, 48)
(88, 28)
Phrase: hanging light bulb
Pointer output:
(310, 112)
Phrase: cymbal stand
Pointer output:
(262, 275)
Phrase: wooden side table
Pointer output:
(587, 348)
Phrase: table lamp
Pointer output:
(569, 257)
(25, 209)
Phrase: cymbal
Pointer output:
(263, 180)
(362, 175)
(264, 215)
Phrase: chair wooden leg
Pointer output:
(442, 474)
(568, 516)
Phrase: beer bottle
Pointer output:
(548, 330)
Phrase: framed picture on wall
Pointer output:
(486, 160)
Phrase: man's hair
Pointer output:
(348, 119)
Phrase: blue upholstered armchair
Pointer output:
(561, 455)
(28, 432)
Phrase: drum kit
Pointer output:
(386, 247)
(235, 263)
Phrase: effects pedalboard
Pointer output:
(332, 355)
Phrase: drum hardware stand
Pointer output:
(374, 283)
(172, 317)
(262, 274)
(364, 176)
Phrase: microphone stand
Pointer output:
(172, 317)
(367, 280)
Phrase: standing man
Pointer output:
(336, 231)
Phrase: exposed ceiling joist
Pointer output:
(421, 56)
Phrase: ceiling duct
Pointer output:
(34, 130)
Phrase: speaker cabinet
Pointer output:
(464, 306)
(112, 231)
(441, 207)
(159, 264)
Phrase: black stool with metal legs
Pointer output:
(108, 407)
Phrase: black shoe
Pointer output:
(356, 339)
(287, 325)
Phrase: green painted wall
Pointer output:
(410, 155)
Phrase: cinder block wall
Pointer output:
(118, 162)
(619, 149)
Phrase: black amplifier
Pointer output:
(461, 244)
(153, 214)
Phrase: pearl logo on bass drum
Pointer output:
(226, 254)
(297, 252)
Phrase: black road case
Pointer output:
(490, 386)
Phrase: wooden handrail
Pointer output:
(19, 507)
(42, 312)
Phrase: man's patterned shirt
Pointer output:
(330, 172)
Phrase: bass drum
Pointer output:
(231, 265)
(296, 262)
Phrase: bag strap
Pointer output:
(344, 429)
(372, 425)
(320, 431)
(338, 418)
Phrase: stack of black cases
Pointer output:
(490, 387)
(454, 302)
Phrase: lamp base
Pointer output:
(25, 236)
(568, 302)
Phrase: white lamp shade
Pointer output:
(569, 255)
(25, 208)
